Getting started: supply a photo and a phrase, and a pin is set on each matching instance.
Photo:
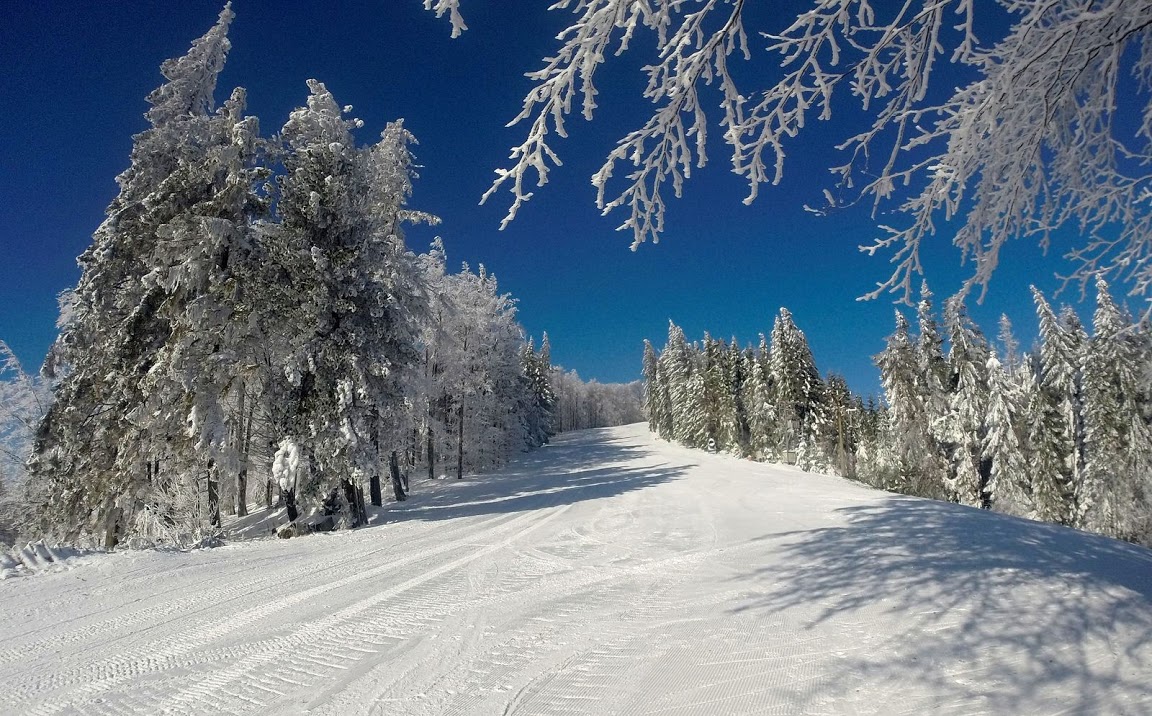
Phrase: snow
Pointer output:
(607, 573)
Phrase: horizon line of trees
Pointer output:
(1060, 434)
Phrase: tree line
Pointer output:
(1060, 433)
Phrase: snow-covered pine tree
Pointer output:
(539, 416)
(676, 366)
(1009, 344)
(115, 444)
(344, 295)
(719, 397)
(1061, 345)
(919, 469)
(1112, 494)
(797, 388)
(840, 437)
(761, 405)
(1003, 449)
(652, 388)
(546, 395)
(1050, 487)
(964, 427)
(740, 365)
(934, 381)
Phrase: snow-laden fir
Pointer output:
(607, 573)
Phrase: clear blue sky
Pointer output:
(76, 74)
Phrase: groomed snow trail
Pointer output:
(607, 573)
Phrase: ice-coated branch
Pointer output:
(451, 8)
(1021, 137)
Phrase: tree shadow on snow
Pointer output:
(574, 468)
(986, 610)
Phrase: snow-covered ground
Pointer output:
(604, 574)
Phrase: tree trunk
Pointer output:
(290, 504)
(268, 493)
(354, 508)
(374, 481)
(397, 486)
(431, 453)
(460, 441)
(243, 439)
(112, 527)
(213, 495)
(360, 509)
(374, 491)
(242, 492)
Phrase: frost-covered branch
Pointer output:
(1030, 130)
(451, 8)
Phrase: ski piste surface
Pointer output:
(607, 573)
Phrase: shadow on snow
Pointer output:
(1028, 606)
(575, 467)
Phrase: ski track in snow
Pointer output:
(607, 573)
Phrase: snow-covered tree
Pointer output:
(964, 427)
(24, 399)
(1118, 446)
(719, 396)
(592, 404)
(540, 411)
(1003, 449)
(1062, 342)
(1050, 482)
(797, 388)
(655, 393)
(148, 297)
(760, 403)
(344, 296)
(914, 447)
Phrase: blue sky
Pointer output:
(75, 78)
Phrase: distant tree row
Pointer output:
(581, 405)
(250, 321)
(766, 404)
(1061, 434)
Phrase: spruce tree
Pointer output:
(149, 307)
(652, 387)
(796, 386)
(1050, 487)
(758, 403)
(1061, 345)
(1003, 448)
(1117, 445)
(964, 426)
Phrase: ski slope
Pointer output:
(605, 574)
